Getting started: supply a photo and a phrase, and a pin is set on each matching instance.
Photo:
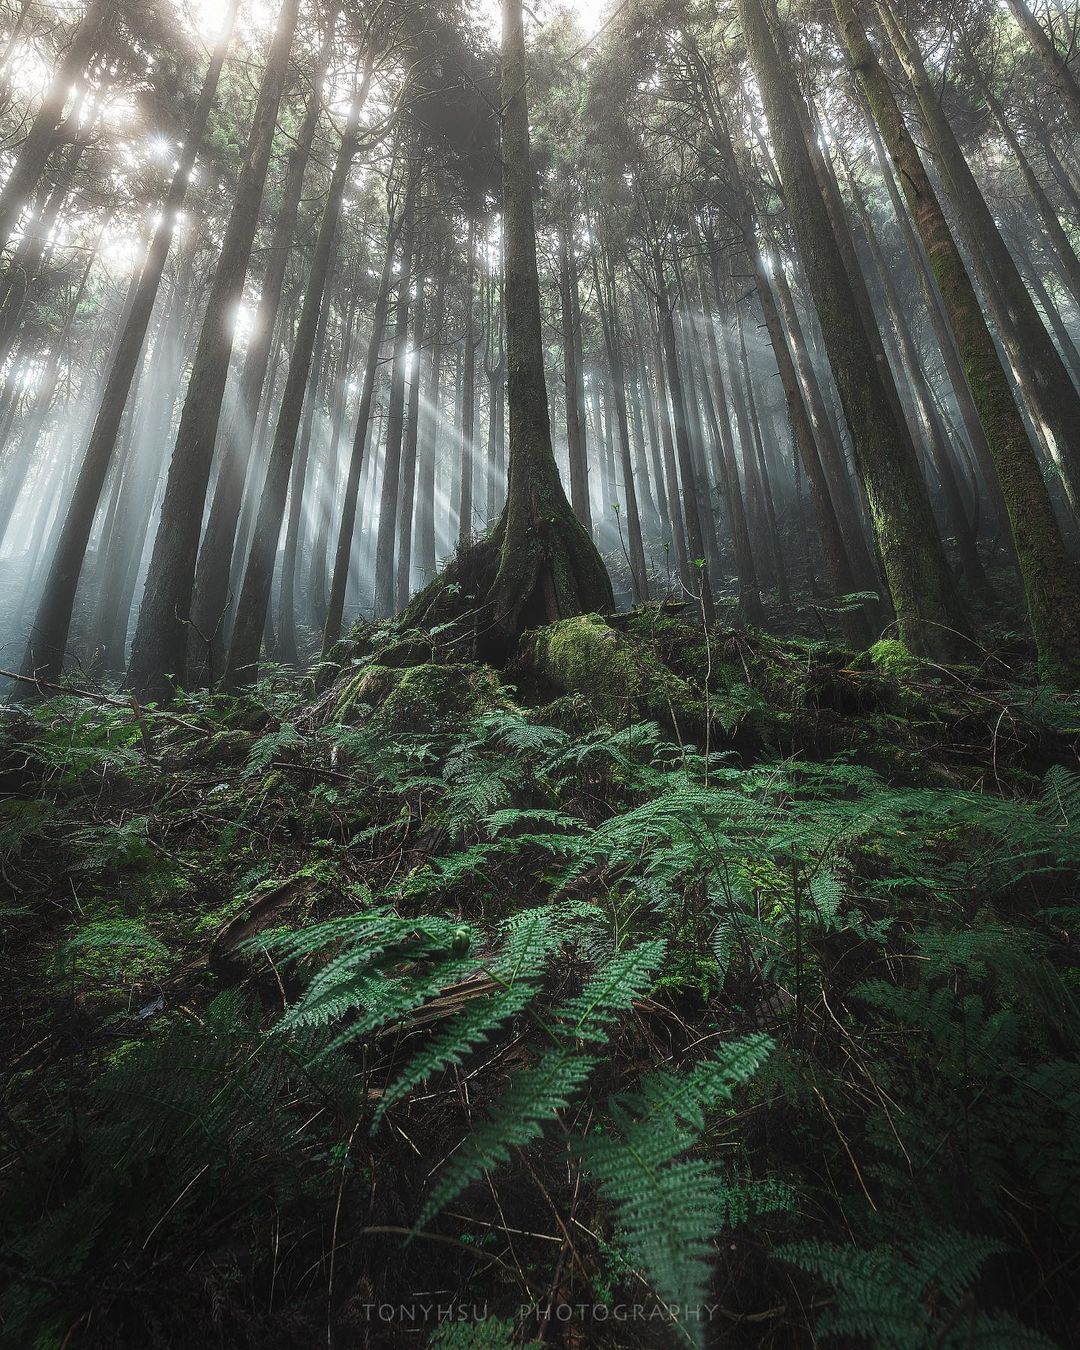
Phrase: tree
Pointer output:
(159, 648)
(259, 573)
(1050, 582)
(927, 611)
(48, 638)
(538, 564)
(43, 137)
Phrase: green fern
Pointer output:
(907, 1298)
(539, 1093)
(669, 1210)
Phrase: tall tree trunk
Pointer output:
(1050, 583)
(237, 437)
(779, 566)
(609, 318)
(251, 610)
(160, 644)
(716, 411)
(545, 565)
(575, 422)
(826, 437)
(932, 427)
(1046, 382)
(290, 557)
(662, 408)
(928, 613)
(427, 434)
(403, 564)
(946, 339)
(645, 405)
(45, 650)
(395, 424)
(468, 395)
(495, 370)
(695, 534)
(317, 582)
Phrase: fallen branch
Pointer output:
(129, 704)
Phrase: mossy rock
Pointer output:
(222, 749)
(429, 697)
(619, 675)
(441, 696)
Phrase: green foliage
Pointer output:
(891, 657)
(668, 1210)
(113, 949)
(910, 1298)
(507, 983)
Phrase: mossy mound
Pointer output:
(890, 657)
(619, 675)
(425, 697)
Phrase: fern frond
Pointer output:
(535, 1096)
(669, 1211)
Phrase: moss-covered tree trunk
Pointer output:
(538, 564)
(928, 613)
(1052, 397)
(1050, 581)
(548, 565)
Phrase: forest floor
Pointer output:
(664, 988)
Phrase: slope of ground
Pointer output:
(660, 989)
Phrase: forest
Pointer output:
(540, 674)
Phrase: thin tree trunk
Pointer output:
(403, 573)
(575, 423)
(287, 648)
(258, 578)
(395, 423)
(609, 317)
(695, 535)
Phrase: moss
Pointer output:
(619, 675)
(891, 657)
(433, 697)
(111, 957)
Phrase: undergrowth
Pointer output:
(407, 1004)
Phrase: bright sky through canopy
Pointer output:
(589, 14)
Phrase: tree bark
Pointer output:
(928, 614)
(160, 644)
(45, 650)
(1051, 587)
